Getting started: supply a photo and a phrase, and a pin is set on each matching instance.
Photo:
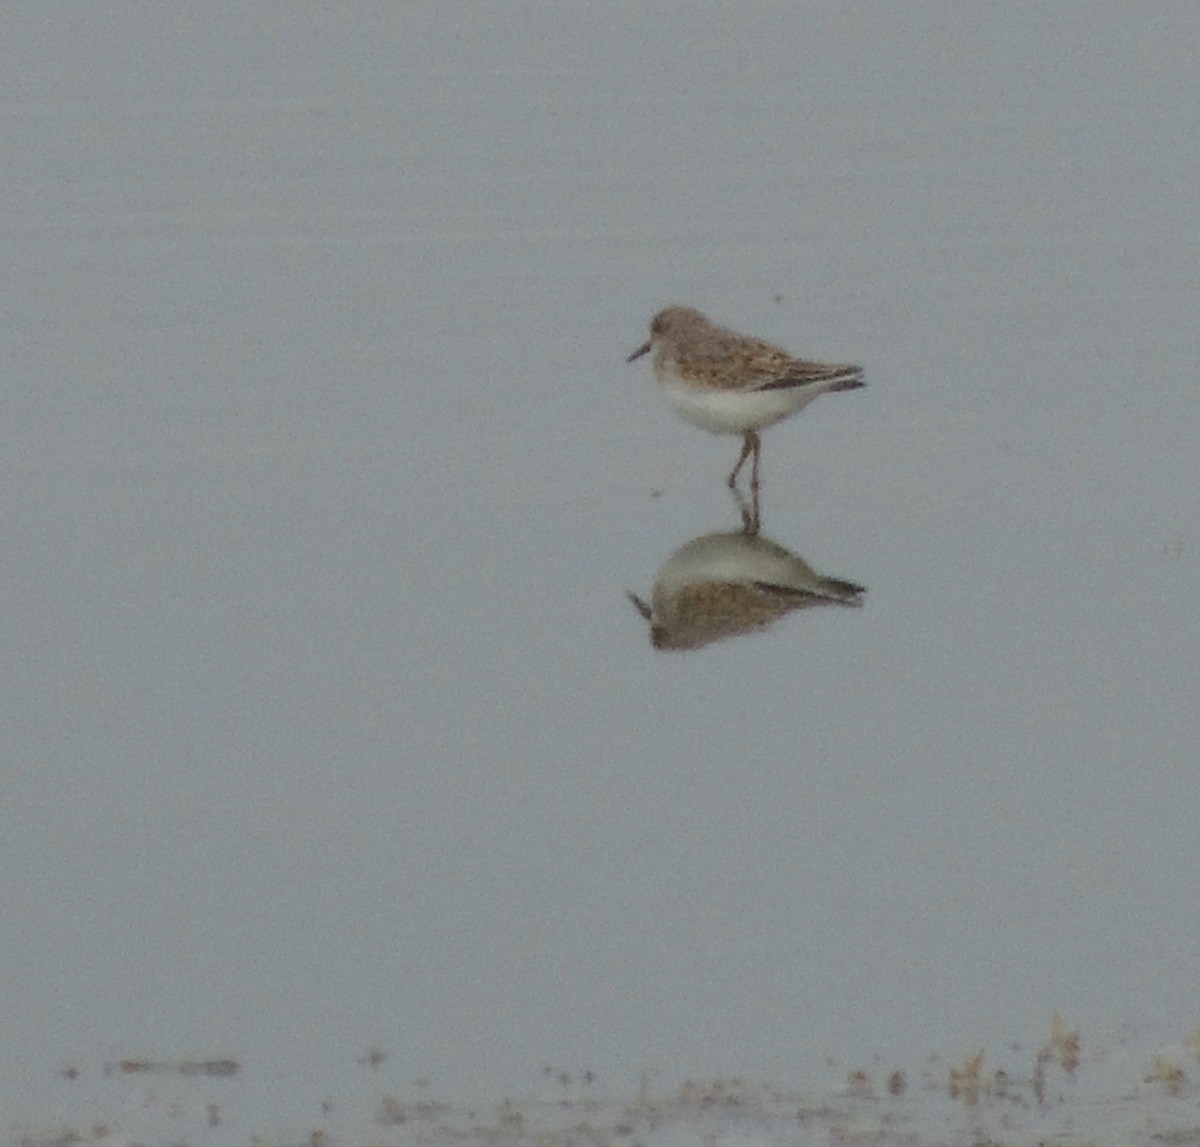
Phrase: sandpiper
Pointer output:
(721, 585)
(730, 383)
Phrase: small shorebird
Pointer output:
(730, 383)
(721, 585)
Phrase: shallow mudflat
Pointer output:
(1131, 1090)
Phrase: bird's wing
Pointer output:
(797, 372)
(747, 364)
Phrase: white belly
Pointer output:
(733, 412)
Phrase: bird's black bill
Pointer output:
(643, 349)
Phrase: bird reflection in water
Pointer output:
(724, 584)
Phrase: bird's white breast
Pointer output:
(733, 411)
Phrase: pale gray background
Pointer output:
(326, 720)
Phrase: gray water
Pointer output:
(328, 724)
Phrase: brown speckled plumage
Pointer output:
(730, 383)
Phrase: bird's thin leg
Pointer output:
(749, 513)
(754, 465)
(749, 443)
(751, 518)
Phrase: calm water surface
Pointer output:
(329, 724)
